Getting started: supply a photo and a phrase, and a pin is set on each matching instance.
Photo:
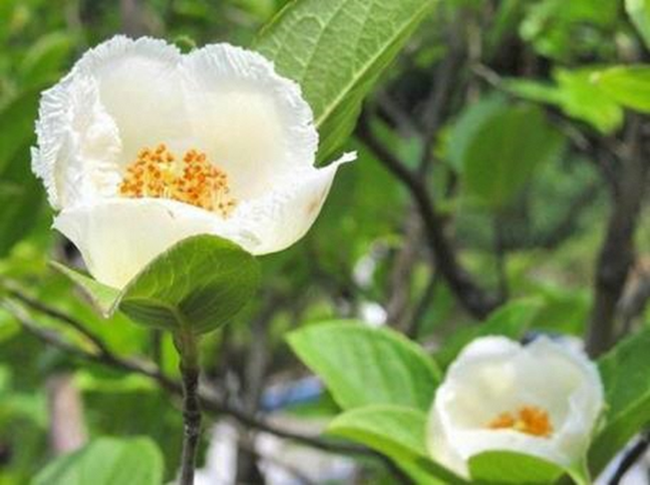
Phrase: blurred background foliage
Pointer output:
(492, 104)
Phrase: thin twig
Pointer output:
(500, 256)
(56, 314)
(209, 401)
(437, 101)
(617, 252)
(413, 331)
(186, 343)
(472, 297)
(301, 477)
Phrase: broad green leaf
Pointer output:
(336, 50)
(509, 467)
(392, 430)
(629, 86)
(576, 95)
(504, 153)
(107, 461)
(471, 121)
(624, 370)
(8, 328)
(510, 320)
(564, 310)
(639, 13)
(363, 366)
(583, 100)
(199, 284)
(541, 92)
(397, 432)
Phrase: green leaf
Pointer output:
(21, 199)
(510, 467)
(392, 430)
(510, 320)
(17, 125)
(586, 101)
(397, 432)
(639, 13)
(564, 310)
(46, 58)
(541, 92)
(336, 50)
(21, 195)
(624, 370)
(107, 461)
(629, 86)
(199, 283)
(570, 30)
(363, 366)
(471, 121)
(505, 152)
(576, 95)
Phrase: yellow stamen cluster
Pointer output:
(528, 419)
(194, 180)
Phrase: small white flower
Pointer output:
(141, 146)
(542, 399)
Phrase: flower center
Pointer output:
(527, 419)
(193, 179)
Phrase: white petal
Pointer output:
(281, 217)
(586, 401)
(140, 88)
(78, 143)
(494, 375)
(248, 119)
(119, 237)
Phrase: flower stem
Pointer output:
(189, 367)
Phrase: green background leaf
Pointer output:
(21, 196)
(505, 152)
(629, 86)
(107, 461)
(397, 431)
(639, 13)
(510, 320)
(469, 123)
(624, 370)
(362, 366)
(576, 95)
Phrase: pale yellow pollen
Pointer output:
(193, 179)
(528, 419)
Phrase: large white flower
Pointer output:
(141, 146)
(542, 399)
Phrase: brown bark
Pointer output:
(617, 251)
